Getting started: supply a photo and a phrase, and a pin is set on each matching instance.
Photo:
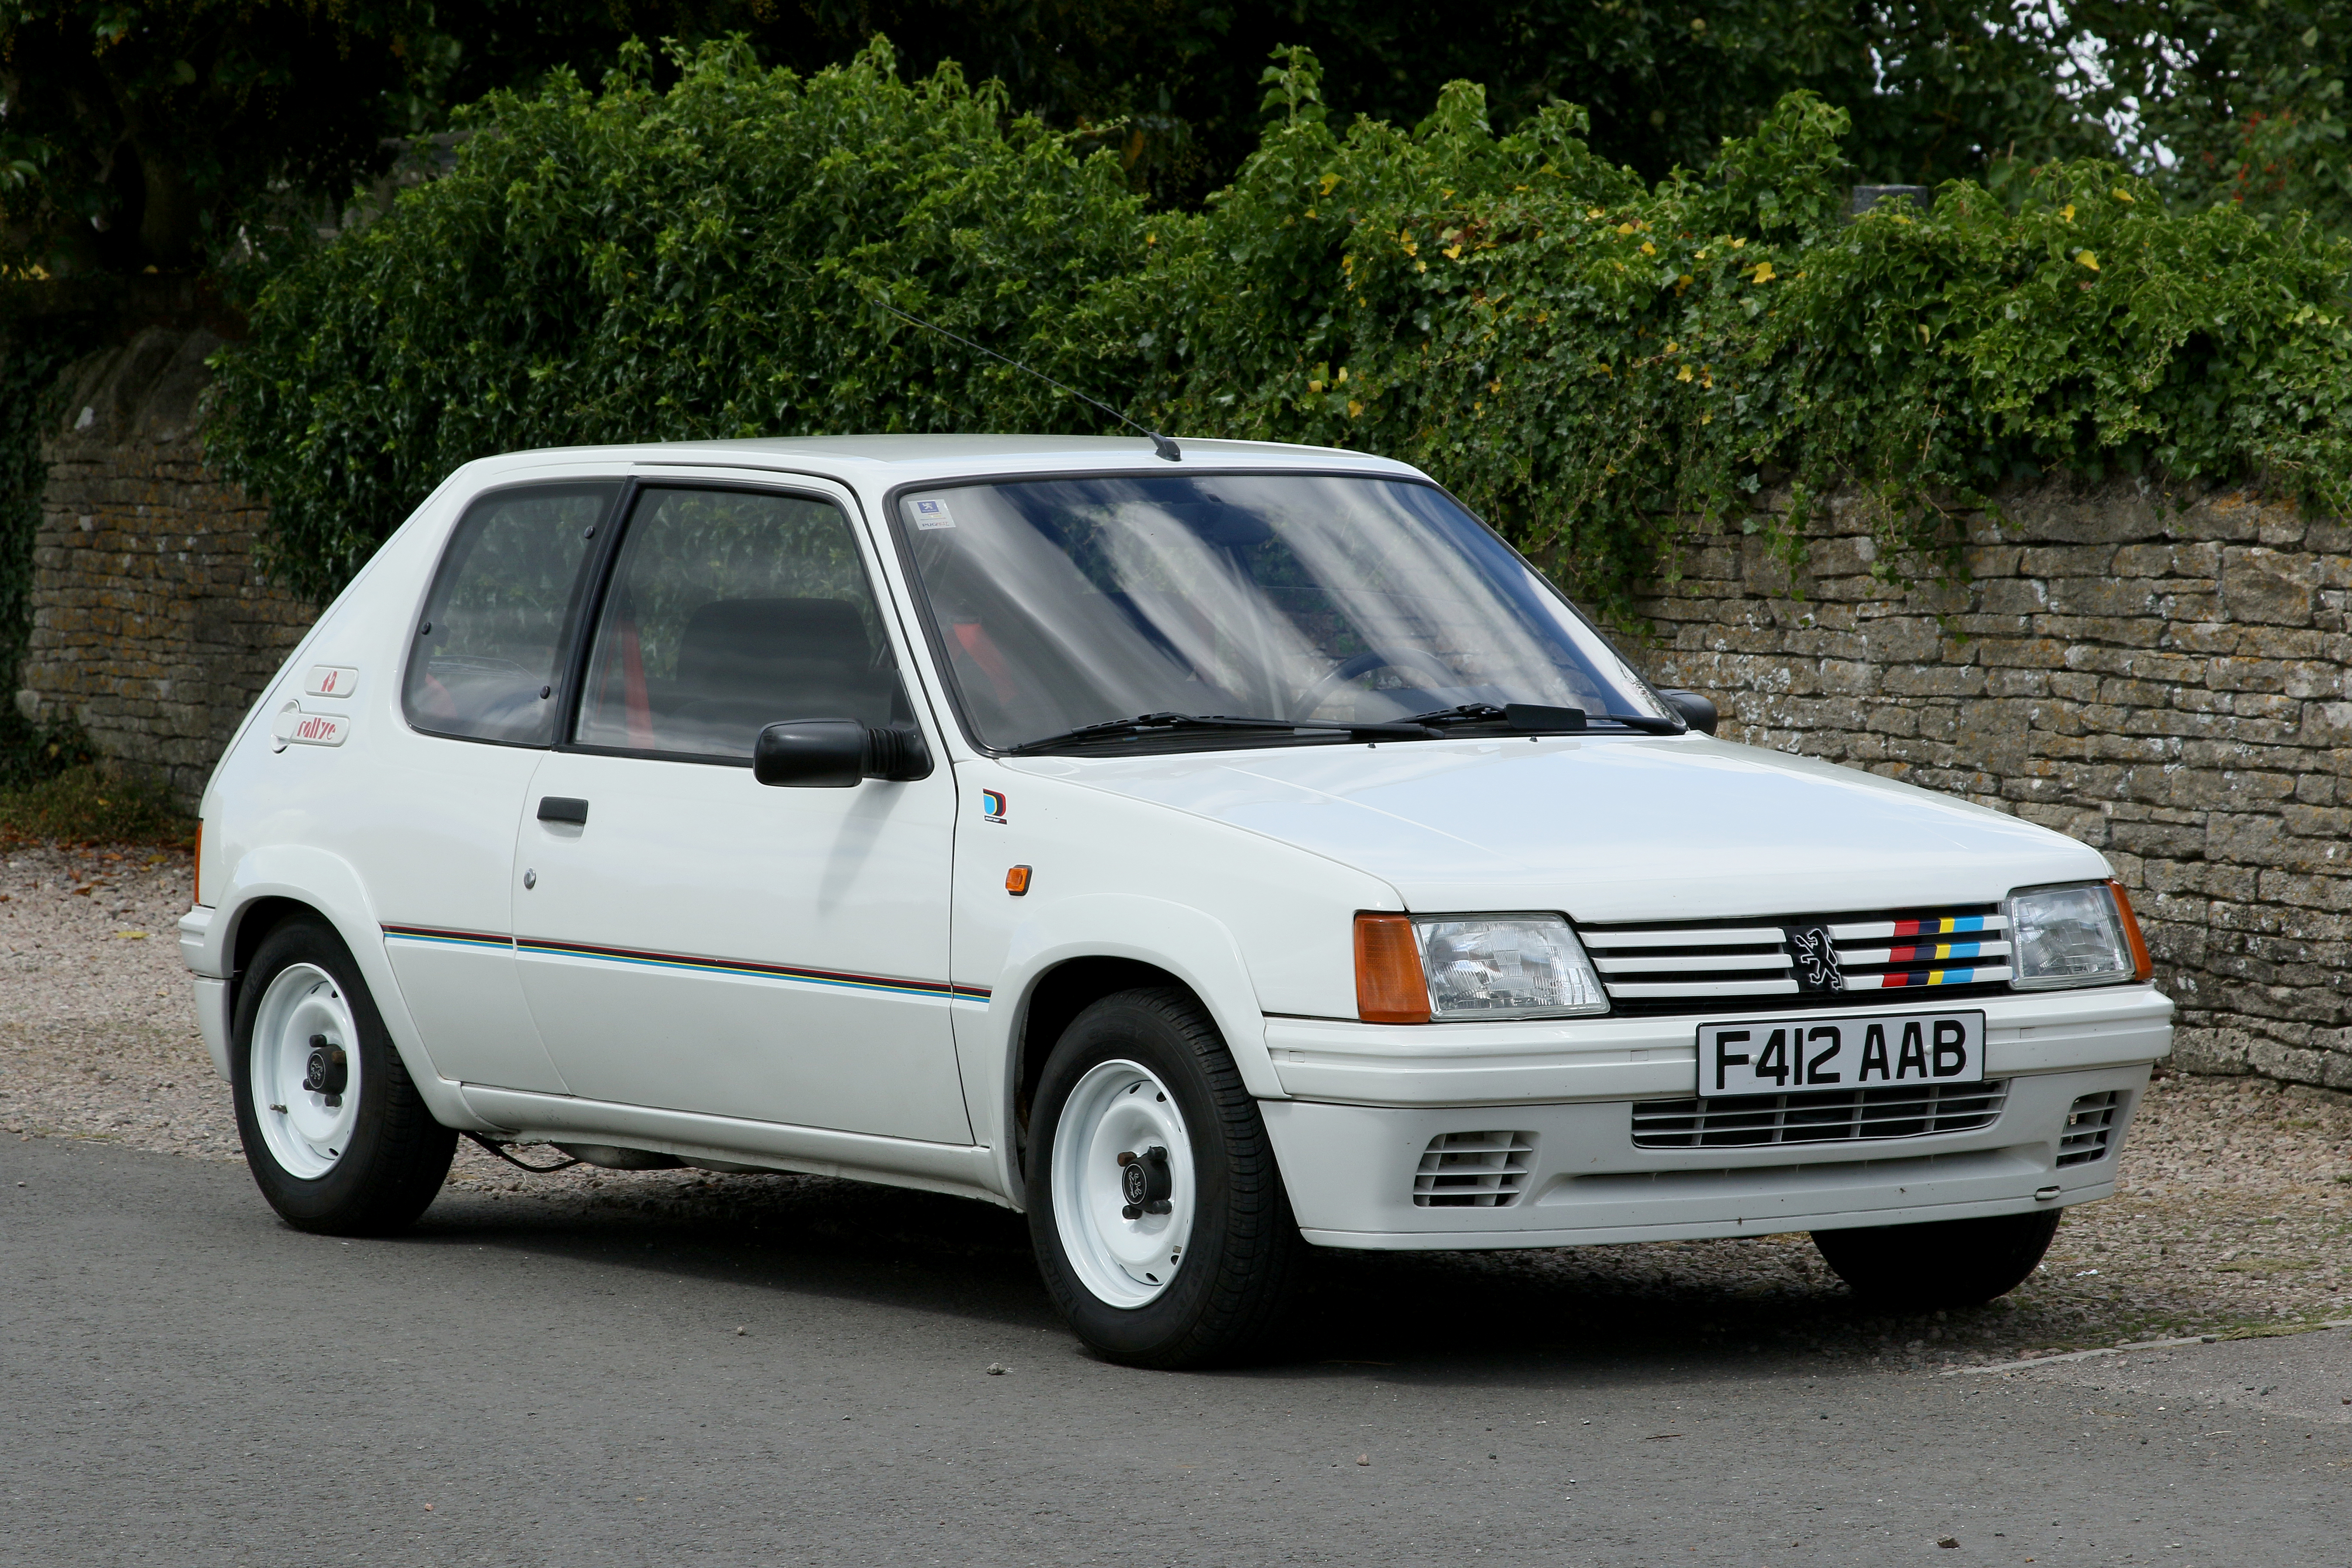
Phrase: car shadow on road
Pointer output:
(1444, 1315)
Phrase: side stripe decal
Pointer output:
(439, 938)
(690, 963)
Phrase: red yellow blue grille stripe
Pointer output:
(1940, 951)
(1948, 925)
(1924, 977)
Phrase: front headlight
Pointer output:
(1458, 967)
(2078, 935)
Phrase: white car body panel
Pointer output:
(654, 922)
(1621, 827)
(1236, 872)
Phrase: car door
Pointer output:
(689, 939)
(479, 685)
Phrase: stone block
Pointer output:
(2266, 586)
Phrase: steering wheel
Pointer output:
(1363, 664)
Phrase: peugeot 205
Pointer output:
(1214, 854)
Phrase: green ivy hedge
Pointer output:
(1589, 360)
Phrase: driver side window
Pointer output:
(730, 611)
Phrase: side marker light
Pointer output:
(1016, 881)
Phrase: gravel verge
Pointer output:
(2234, 1212)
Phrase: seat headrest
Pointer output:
(742, 636)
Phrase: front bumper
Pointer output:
(1565, 1093)
(1633, 1059)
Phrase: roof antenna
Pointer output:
(1162, 445)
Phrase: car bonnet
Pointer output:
(1604, 829)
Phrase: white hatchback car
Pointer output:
(1209, 857)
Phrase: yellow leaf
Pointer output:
(1495, 384)
(1355, 409)
(1674, 348)
(1763, 273)
(1452, 253)
(1624, 228)
(1421, 267)
(1706, 418)
(2067, 212)
(1595, 212)
(1314, 387)
(2088, 258)
(1685, 374)
(2124, 196)
(1330, 183)
(1649, 249)
(1739, 245)
(1341, 379)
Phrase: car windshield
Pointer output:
(1065, 602)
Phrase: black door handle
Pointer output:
(562, 808)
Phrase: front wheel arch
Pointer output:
(1055, 1001)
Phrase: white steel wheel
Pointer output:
(1124, 1185)
(305, 1069)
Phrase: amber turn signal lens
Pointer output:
(1016, 881)
(2142, 966)
(1388, 984)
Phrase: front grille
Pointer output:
(2090, 1127)
(1473, 1170)
(1829, 1116)
(1714, 966)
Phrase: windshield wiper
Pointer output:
(1149, 723)
(1533, 717)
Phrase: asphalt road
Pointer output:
(185, 1381)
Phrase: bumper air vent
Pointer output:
(1473, 1170)
(1832, 1116)
(2090, 1128)
(1728, 966)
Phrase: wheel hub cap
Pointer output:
(1123, 1183)
(305, 1071)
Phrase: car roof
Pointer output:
(899, 459)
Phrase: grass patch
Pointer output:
(83, 802)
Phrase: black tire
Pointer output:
(1242, 1258)
(1945, 1263)
(396, 1157)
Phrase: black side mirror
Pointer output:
(1696, 711)
(837, 754)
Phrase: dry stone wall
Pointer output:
(150, 627)
(2169, 678)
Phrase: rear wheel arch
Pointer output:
(250, 926)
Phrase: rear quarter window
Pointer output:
(487, 659)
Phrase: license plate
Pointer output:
(1871, 1051)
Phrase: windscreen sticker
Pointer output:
(931, 514)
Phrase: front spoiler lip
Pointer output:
(1689, 1230)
